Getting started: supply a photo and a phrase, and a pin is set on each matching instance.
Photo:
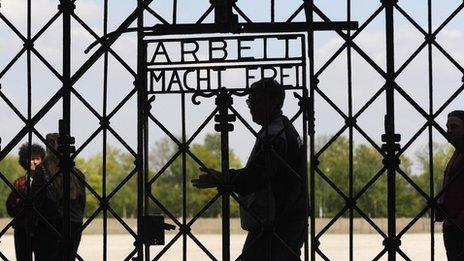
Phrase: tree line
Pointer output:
(168, 184)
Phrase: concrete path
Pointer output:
(335, 246)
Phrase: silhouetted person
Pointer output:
(452, 200)
(27, 232)
(270, 185)
(77, 199)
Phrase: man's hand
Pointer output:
(210, 178)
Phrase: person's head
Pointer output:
(52, 160)
(455, 128)
(265, 100)
(52, 140)
(52, 163)
(31, 157)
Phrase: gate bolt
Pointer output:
(67, 6)
(392, 243)
(28, 44)
(184, 229)
(184, 147)
(430, 38)
(350, 202)
(104, 123)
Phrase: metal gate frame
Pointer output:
(390, 150)
(224, 102)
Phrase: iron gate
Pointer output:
(225, 21)
(225, 113)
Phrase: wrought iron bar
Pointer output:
(168, 29)
(67, 8)
(390, 137)
(313, 244)
(430, 129)
(141, 161)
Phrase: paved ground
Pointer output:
(335, 246)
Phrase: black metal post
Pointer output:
(223, 101)
(105, 137)
(142, 140)
(390, 139)
(29, 226)
(308, 8)
(224, 18)
(308, 113)
(430, 130)
(67, 7)
(350, 137)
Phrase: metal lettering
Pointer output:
(240, 48)
(160, 49)
(192, 52)
(175, 79)
(222, 48)
(204, 79)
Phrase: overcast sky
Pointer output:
(333, 81)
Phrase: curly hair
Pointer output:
(24, 156)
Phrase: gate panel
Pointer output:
(49, 84)
(91, 118)
(167, 73)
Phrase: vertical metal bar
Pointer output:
(313, 82)
(184, 179)
(350, 133)
(272, 11)
(142, 130)
(29, 71)
(223, 112)
(305, 151)
(143, 183)
(67, 8)
(174, 12)
(430, 130)
(390, 129)
(105, 135)
(29, 115)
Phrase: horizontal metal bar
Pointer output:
(168, 29)
(286, 87)
(249, 37)
(227, 63)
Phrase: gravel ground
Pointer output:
(334, 246)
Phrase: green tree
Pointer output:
(367, 162)
(408, 200)
(11, 170)
(119, 164)
(333, 163)
(168, 187)
(441, 154)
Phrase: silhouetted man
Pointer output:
(270, 186)
(452, 199)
